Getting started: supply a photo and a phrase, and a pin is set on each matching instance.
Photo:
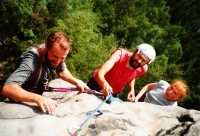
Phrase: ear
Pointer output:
(135, 51)
(46, 45)
(45, 49)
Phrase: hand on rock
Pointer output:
(47, 105)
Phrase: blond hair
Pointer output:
(181, 87)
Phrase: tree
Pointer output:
(90, 48)
(186, 14)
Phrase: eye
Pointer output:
(175, 91)
(142, 57)
(54, 56)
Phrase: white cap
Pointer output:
(148, 51)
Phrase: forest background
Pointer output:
(97, 27)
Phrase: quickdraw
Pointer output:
(90, 116)
(98, 114)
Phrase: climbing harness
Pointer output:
(91, 115)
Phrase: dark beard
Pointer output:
(132, 62)
(48, 62)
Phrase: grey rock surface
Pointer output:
(118, 119)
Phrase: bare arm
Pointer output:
(100, 77)
(145, 89)
(15, 92)
(131, 95)
(67, 76)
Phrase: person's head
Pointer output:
(58, 45)
(176, 91)
(143, 54)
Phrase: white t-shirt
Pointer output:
(156, 95)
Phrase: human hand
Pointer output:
(131, 97)
(107, 89)
(47, 105)
(82, 86)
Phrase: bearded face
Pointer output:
(138, 60)
(51, 63)
(56, 55)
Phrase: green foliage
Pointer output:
(174, 53)
(90, 48)
(19, 24)
(186, 14)
(98, 27)
(78, 5)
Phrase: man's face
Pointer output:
(56, 55)
(138, 59)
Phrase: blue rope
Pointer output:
(93, 113)
(108, 98)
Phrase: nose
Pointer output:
(170, 91)
(57, 60)
(139, 61)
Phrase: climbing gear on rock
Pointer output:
(99, 113)
(91, 115)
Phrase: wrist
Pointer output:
(105, 85)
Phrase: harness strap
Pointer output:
(40, 67)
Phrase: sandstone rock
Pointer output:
(118, 119)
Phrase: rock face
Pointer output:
(118, 119)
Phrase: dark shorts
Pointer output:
(92, 84)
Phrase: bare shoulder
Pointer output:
(115, 56)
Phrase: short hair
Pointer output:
(181, 87)
(55, 36)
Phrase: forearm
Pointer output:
(131, 86)
(145, 89)
(15, 92)
(103, 84)
(141, 92)
(67, 76)
(132, 91)
(100, 79)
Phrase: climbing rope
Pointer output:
(91, 115)
(72, 89)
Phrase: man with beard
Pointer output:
(122, 68)
(45, 59)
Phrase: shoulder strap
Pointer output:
(40, 67)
